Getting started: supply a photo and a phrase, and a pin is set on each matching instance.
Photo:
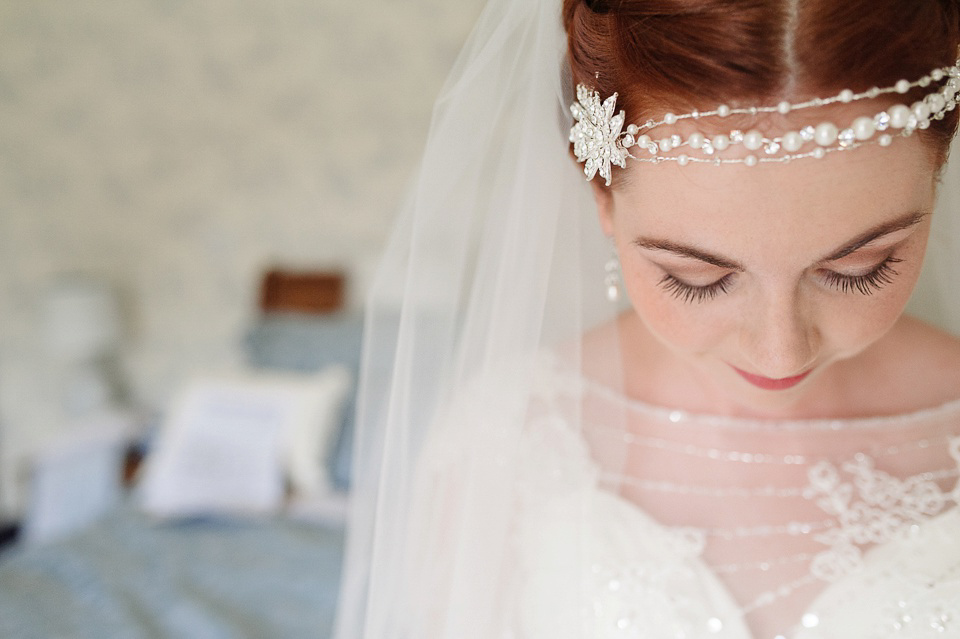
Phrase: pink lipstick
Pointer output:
(768, 383)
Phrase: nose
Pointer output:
(779, 336)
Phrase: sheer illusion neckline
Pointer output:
(876, 540)
(885, 566)
(708, 420)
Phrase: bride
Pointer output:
(680, 398)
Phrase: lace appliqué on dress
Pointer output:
(871, 508)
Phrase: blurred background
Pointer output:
(193, 199)
(157, 157)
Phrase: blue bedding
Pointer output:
(203, 578)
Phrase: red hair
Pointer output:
(681, 55)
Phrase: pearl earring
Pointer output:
(611, 279)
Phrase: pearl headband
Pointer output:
(599, 139)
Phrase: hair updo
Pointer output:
(681, 55)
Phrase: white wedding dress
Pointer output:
(711, 527)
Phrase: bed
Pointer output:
(207, 575)
(207, 578)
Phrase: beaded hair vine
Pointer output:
(600, 141)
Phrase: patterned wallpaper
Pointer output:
(175, 149)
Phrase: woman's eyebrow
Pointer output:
(898, 224)
(875, 233)
(684, 250)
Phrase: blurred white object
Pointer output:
(81, 329)
(81, 318)
(231, 441)
(77, 479)
(310, 440)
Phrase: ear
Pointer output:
(603, 196)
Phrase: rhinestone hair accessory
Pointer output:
(600, 141)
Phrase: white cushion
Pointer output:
(230, 441)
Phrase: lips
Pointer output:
(768, 383)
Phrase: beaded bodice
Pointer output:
(694, 527)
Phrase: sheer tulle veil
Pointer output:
(496, 258)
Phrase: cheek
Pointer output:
(681, 326)
(854, 324)
(872, 317)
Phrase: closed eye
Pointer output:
(866, 284)
(693, 293)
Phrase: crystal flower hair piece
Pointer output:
(599, 139)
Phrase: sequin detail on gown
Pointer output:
(880, 560)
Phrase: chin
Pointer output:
(793, 403)
(764, 398)
(807, 398)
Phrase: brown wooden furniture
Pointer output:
(305, 292)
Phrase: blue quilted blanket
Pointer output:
(130, 577)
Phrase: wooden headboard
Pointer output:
(316, 292)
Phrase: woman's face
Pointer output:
(762, 278)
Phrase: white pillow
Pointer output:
(312, 438)
(229, 442)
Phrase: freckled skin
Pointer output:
(780, 316)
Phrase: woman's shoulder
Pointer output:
(931, 337)
(921, 358)
(929, 352)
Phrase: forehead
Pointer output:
(807, 205)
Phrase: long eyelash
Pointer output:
(866, 284)
(690, 293)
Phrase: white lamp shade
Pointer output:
(81, 319)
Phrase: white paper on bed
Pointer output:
(230, 442)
